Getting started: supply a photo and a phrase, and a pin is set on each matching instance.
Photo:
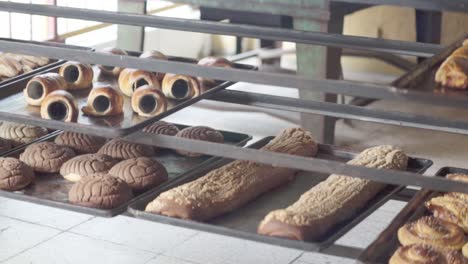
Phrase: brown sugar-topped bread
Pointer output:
(231, 186)
(199, 133)
(425, 254)
(5, 145)
(46, 157)
(85, 165)
(80, 143)
(100, 191)
(14, 174)
(122, 149)
(140, 173)
(332, 201)
(162, 128)
(20, 134)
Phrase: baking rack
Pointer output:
(275, 79)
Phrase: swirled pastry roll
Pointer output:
(454, 70)
(104, 101)
(77, 75)
(131, 79)
(425, 254)
(42, 85)
(148, 101)
(60, 105)
(180, 87)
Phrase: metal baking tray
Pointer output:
(243, 222)
(52, 189)
(387, 243)
(13, 106)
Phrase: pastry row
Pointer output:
(12, 65)
(14, 134)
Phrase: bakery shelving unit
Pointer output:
(309, 17)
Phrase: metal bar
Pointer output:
(436, 5)
(300, 163)
(305, 37)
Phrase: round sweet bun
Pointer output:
(19, 134)
(140, 173)
(199, 133)
(80, 143)
(122, 149)
(14, 174)
(46, 157)
(85, 165)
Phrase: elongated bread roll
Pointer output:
(332, 201)
(111, 70)
(104, 101)
(148, 101)
(235, 184)
(42, 85)
(132, 79)
(60, 105)
(77, 75)
(9, 66)
(180, 87)
(454, 70)
(206, 83)
(153, 54)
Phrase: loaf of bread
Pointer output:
(453, 72)
(60, 105)
(332, 201)
(77, 75)
(231, 186)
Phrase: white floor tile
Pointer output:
(317, 258)
(76, 249)
(135, 233)
(17, 236)
(43, 215)
(161, 259)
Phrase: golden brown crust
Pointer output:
(206, 83)
(180, 87)
(121, 149)
(450, 209)
(85, 165)
(14, 174)
(424, 254)
(332, 201)
(42, 85)
(46, 157)
(454, 70)
(80, 143)
(199, 133)
(104, 101)
(9, 66)
(77, 75)
(148, 101)
(231, 186)
(432, 231)
(465, 250)
(153, 54)
(162, 128)
(60, 105)
(132, 79)
(19, 134)
(111, 70)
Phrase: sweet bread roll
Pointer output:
(85, 165)
(104, 101)
(140, 173)
(162, 128)
(432, 231)
(121, 149)
(465, 250)
(46, 157)
(180, 87)
(14, 174)
(19, 134)
(206, 83)
(454, 70)
(450, 209)
(60, 105)
(458, 177)
(148, 101)
(80, 143)
(424, 254)
(100, 191)
(132, 79)
(77, 75)
(5, 145)
(111, 70)
(199, 133)
(153, 54)
(42, 85)
(9, 66)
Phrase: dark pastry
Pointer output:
(121, 149)
(60, 105)
(14, 174)
(162, 128)
(80, 143)
(199, 133)
(20, 134)
(140, 173)
(86, 165)
(46, 157)
(77, 75)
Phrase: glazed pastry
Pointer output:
(77, 75)
(465, 250)
(42, 85)
(19, 134)
(60, 105)
(162, 128)
(332, 201)
(153, 54)
(46, 156)
(121, 149)
(14, 174)
(85, 165)
(80, 143)
(9, 67)
(132, 79)
(100, 191)
(206, 83)
(148, 101)
(458, 177)
(111, 70)
(180, 87)
(424, 254)
(231, 186)
(450, 209)
(432, 231)
(454, 70)
(199, 133)
(5, 145)
(140, 173)
(104, 101)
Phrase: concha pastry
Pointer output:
(111, 70)
(86, 165)
(5, 145)
(424, 254)
(199, 133)
(14, 174)
(122, 149)
(80, 143)
(162, 128)
(46, 157)
(100, 191)
(20, 134)
(77, 75)
(140, 173)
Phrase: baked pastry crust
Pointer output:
(19, 134)
(153, 54)
(424, 254)
(453, 72)
(85, 165)
(162, 128)
(180, 87)
(14, 174)
(140, 173)
(148, 101)
(231, 186)
(203, 133)
(332, 201)
(132, 79)
(42, 85)
(77, 75)
(110, 70)
(9, 66)
(104, 101)
(60, 105)
(206, 83)
(122, 149)
(46, 157)
(80, 143)
(451, 209)
(465, 250)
